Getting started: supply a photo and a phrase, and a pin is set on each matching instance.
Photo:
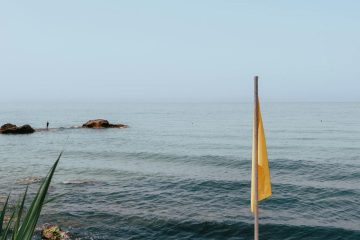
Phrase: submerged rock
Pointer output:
(9, 128)
(53, 232)
(102, 123)
(29, 180)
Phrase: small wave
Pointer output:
(149, 228)
(214, 160)
(80, 182)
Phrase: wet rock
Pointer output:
(9, 128)
(53, 232)
(29, 180)
(102, 123)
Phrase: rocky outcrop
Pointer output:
(102, 123)
(13, 129)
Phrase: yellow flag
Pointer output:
(264, 183)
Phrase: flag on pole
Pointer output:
(264, 183)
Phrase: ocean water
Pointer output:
(182, 171)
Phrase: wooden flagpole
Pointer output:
(255, 161)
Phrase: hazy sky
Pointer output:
(179, 50)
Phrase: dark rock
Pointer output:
(25, 129)
(102, 123)
(13, 129)
(8, 126)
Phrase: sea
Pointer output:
(182, 170)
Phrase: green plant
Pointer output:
(23, 228)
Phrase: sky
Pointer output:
(179, 51)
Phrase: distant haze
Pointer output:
(179, 50)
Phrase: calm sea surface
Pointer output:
(182, 171)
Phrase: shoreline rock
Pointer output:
(9, 128)
(102, 123)
(53, 232)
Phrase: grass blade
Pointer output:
(54, 198)
(6, 232)
(19, 215)
(2, 216)
(28, 226)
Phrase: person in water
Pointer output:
(47, 125)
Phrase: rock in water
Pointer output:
(53, 232)
(102, 123)
(97, 123)
(9, 128)
(25, 129)
(29, 180)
